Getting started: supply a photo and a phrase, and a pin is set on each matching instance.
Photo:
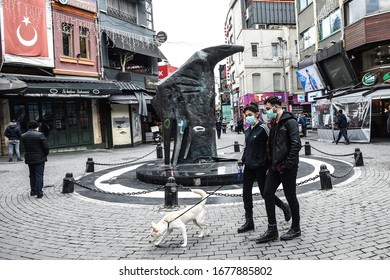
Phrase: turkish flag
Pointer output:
(25, 31)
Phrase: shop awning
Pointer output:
(131, 44)
(68, 88)
(10, 84)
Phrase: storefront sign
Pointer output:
(312, 95)
(369, 79)
(281, 95)
(386, 78)
(87, 5)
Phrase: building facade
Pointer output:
(72, 71)
(266, 67)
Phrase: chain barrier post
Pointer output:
(325, 179)
(358, 157)
(68, 184)
(307, 148)
(236, 147)
(90, 165)
(159, 150)
(171, 193)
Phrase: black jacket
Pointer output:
(342, 121)
(284, 143)
(36, 147)
(255, 146)
(12, 132)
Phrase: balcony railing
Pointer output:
(121, 15)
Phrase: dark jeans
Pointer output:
(36, 178)
(218, 133)
(343, 132)
(250, 175)
(288, 180)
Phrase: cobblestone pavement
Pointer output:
(350, 221)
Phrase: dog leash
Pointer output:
(200, 201)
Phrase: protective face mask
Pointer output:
(251, 120)
(271, 114)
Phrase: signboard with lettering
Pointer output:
(87, 5)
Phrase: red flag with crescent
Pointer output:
(25, 32)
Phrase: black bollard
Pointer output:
(236, 147)
(358, 157)
(171, 193)
(325, 179)
(90, 165)
(159, 151)
(68, 184)
(307, 148)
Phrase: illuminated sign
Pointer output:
(310, 78)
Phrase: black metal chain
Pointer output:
(124, 163)
(349, 171)
(344, 155)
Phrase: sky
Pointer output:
(191, 25)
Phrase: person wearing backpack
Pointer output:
(343, 125)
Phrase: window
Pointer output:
(123, 9)
(67, 39)
(303, 4)
(254, 49)
(277, 79)
(84, 42)
(275, 50)
(148, 13)
(331, 24)
(308, 38)
(256, 82)
(358, 9)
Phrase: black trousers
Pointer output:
(218, 133)
(36, 178)
(250, 175)
(288, 180)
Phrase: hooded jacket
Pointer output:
(12, 132)
(284, 143)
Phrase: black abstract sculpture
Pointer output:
(185, 102)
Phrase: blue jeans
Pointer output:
(343, 132)
(288, 180)
(13, 145)
(36, 178)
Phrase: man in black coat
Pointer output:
(343, 125)
(283, 148)
(36, 151)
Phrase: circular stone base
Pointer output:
(191, 174)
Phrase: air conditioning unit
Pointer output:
(260, 26)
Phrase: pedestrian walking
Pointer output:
(283, 148)
(13, 133)
(302, 120)
(218, 127)
(231, 123)
(240, 126)
(36, 151)
(253, 159)
(224, 125)
(387, 114)
(342, 124)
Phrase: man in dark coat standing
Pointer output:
(13, 134)
(343, 125)
(36, 151)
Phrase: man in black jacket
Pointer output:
(254, 160)
(282, 157)
(36, 151)
(342, 124)
(13, 133)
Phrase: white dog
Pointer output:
(179, 219)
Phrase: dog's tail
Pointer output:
(202, 193)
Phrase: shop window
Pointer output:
(60, 117)
(67, 39)
(84, 43)
(84, 120)
(72, 114)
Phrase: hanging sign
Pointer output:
(369, 79)
(386, 78)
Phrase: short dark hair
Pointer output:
(340, 111)
(273, 100)
(253, 107)
(32, 125)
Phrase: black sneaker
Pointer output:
(270, 235)
(291, 234)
